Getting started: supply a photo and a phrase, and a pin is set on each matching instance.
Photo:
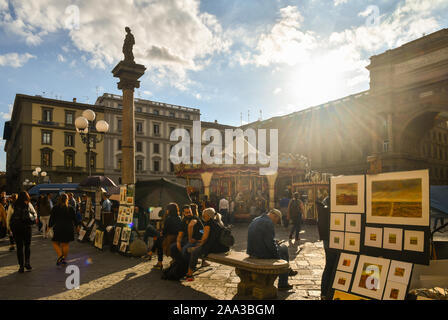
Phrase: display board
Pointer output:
(122, 231)
(380, 223)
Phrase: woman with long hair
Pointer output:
(12, 199)
(209, 242)
(21, 220)
(63, 221)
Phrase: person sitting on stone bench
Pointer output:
(262, 245)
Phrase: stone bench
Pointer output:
(257, 275)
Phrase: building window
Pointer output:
(156, 148)
(70, 140)
(46, 137)
(46, 157)
(138, 109)
(69, 159)
(47, 115)
(139, 127)
(156, 130)
(187, 116)
(119, 162)
(119, 123)
(156, 112)
(171, 130)
(386, 146)
(139, 165)
(156, 165)
(172, 114)
(139, 146)
(119, 144)
(69, 117)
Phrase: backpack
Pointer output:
(225, 237)
(22, 217)
(176, 271)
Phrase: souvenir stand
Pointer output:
(243, 183)
(123, 225)
(92, 229)
(379, 227)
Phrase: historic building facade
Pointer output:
(154, 122)
(400, 123)
(42, 133)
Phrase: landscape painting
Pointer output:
(398, 198)
(371, 275)
(347, 194)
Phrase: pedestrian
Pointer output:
(3, 218)
(45, 211)
(20, 223)
(63, 221)
(152, 232)
(171, 227)
(209, 242)
(9, 213)
(284, 203)
(182, 235)
(323, 221)
(295, 213)
(107, 205)
(261, 243)
(224, 210)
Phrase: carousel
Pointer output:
(253, 193)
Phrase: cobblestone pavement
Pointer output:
(107, 275)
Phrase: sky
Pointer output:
(237, 61)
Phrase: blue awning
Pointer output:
(439, 199)
(53, 188)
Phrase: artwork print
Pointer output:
(123, 195)
(393, 239)
(342, 281)
(370, 278)
(337, 221)
(353, 223)
(117, 236)
(347, 262)
(347, 194)
(337, 240)
(373, 237)
(352, 241)
(414, 240)
(126, 234)
(400, 198)
(395, 291)
(400, 272)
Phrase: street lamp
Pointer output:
(83, 126)
(38, 172)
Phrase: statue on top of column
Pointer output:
(129, 42)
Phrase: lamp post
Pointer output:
(83, 125)
(38, 172)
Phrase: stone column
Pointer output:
(271, 182)
(128, 73)
(206, 179)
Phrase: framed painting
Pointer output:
(393, 239)
(353, 222)
(337, 221)
(347, 262)
(122, 194)
(123, 247)
(117, 236)
(352, 241)
(373, 237)
(342, 281)
(88, 207)
(337, 240)
(414, 240)
(92, 233)
(99, 239)
(82, 234)
(125, 234)
(400, 272)
(347, 194)
(400, 198)
(395, 291)
(130, 194)
(370, 277)
(339, 295)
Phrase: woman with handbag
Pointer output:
(63, 222)
(20, 223)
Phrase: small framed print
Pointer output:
(347, 194)
(337, 221)
(337, 240)
(122, 194)
(393, 239)
(371, 276)
(351, 241)
(342, 281)
(117, 236)
(395, 291)
(400, 271)
(82, 233)
(123, 247)
(347, 262)
(99, 239)
(373, 237)
(353, 223)
(125, 234)
(92, 233)
(130, 194)
(414, 240)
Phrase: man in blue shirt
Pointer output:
(262, 245)
(107, 205)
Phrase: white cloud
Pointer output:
(7, 115)
(172, 36)
(338, 2)
(277, 90)
(14, 59)
(147, 93)
(61, 58)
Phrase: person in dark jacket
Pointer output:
(20, 223)
(209, 242)
(295, 215)
(261, 243)
(44, 210)
(323, 223)
(63, 221)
